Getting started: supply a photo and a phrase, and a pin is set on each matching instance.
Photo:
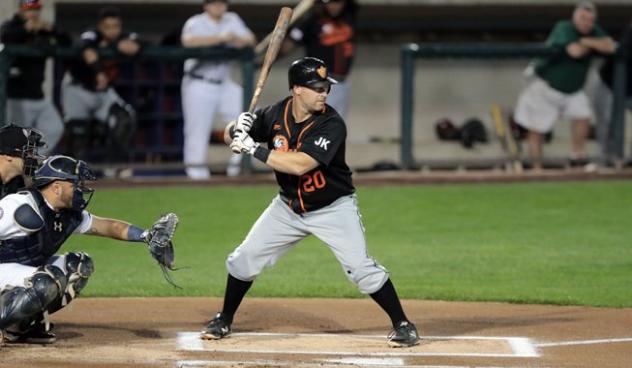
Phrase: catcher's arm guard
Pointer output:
(159, 241)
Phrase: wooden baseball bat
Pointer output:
(278, 34)
(299, 10)
(506, 138)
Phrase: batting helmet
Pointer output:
(309, 72)
(66, 168)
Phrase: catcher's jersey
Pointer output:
(322, 137)
(30, 247)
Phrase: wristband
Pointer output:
(135, 234)
(261, 154)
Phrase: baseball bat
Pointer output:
(278, 34)
(506, 138)
(299, 10)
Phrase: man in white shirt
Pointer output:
(206, 86)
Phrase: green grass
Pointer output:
(558, 243)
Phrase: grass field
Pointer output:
(558, 243)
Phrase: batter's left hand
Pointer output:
(242, 142)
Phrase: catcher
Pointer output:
(34, 281)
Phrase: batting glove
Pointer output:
(245, 121)
(243, 143)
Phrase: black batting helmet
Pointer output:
(309, 72)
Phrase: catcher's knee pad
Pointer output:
(369, 276)
(79, 268)
(19, 303)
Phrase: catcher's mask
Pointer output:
(309, 72)
(67, 169)
(24, 143)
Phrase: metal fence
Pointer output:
(411, 52)
(157, 54)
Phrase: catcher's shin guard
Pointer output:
(20, 303)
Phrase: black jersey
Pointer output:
(12, 186)
(322, 137)
(329, 39)
(26, 75)
(85, 74)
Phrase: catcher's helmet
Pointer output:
(66, 168)
(22, 142)
(309, 72)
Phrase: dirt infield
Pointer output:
(162, 332)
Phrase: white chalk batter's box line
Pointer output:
(333, 363)
(522, 347)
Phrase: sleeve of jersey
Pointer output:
(323, 143)
(86, 223)
(259, 130)
(239, 27)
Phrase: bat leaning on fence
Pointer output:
(503, 131)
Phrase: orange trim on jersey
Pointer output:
(298, 141)
(300, 197)
(287, 129)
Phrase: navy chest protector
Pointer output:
(35, 249)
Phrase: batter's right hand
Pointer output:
(245, 121)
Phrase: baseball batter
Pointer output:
(305, 140)
(206, 86)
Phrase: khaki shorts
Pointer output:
(540, 106)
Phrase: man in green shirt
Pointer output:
(556, 91)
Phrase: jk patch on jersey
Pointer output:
(322, 143)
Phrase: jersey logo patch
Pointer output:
(322, 143)
(58, 226)
(280, 143)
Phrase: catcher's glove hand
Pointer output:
(158, 239)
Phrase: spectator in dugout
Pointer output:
(556, 90)
(328, 33)
(88, 98)
(604, 98)
(26, 103)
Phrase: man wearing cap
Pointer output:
(26, 103)
(18, 156)
(303, 140)
(206, 86)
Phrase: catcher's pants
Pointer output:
(338, 225)
(16, 275)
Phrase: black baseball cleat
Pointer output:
(403, 336)
(38, 334)
(218, 328)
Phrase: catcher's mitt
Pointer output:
(158, 240)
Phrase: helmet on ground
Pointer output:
(309, 72)
(24, 143)
(66, 168)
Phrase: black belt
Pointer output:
(202, 78)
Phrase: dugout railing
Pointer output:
(158, 55)
(412, 52)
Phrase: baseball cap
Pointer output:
(30, 4)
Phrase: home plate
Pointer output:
(358, 345)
